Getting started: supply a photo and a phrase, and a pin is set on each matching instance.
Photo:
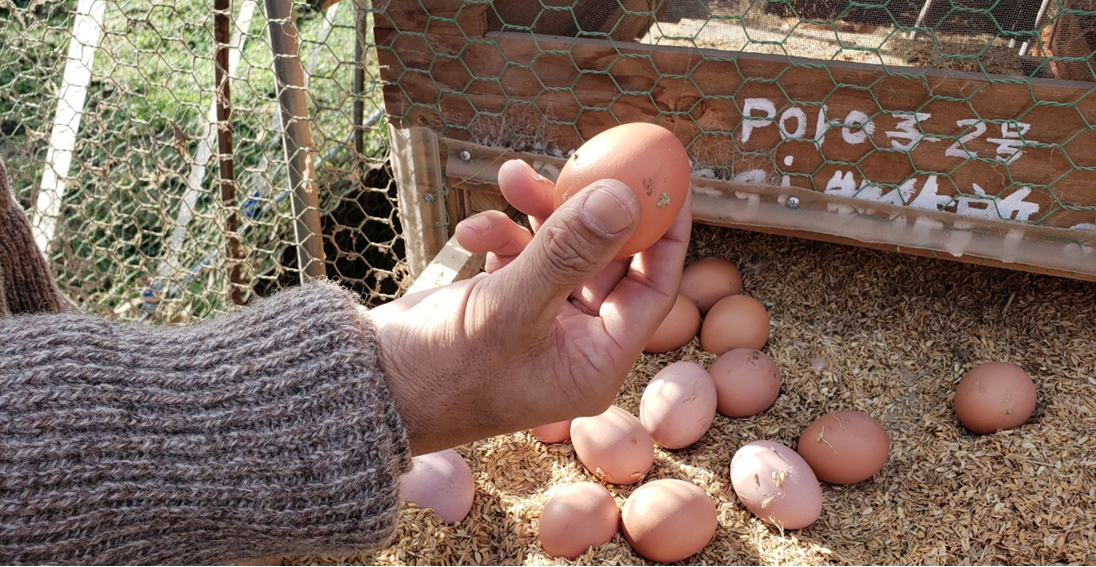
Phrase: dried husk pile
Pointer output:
(883, 333)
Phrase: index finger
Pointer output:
(527, 191)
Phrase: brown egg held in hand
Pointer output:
(735, 321)
(678, 405)
(707, 281)
(669, 520)
(647, 158)
(844, 447)
(576, 518)
(441, 481)
(614, 446)
(994, 396)
(677, 329)
(747, 382)
(550, 433)
(776, 485)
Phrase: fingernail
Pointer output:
(533, 173)
(606, 213)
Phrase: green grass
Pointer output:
(144, 118)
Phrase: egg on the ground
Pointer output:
(577, 517)
(678, 405)
(441, 481)
(776, 485)
(550, 433)
(747, 382)
(669, 520)
(736, 321)
(844, 447)
(994, 396)
(614, 446)
(677, 329)
(708, 280)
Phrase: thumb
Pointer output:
(577, 241)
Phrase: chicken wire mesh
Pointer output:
(976, 110)
(108, 129)
(126, 89)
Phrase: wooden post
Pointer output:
(361, 24)
(87, 29)
(223, 100)
(416, 162)
(297, 137)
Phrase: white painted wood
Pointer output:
(87, 30)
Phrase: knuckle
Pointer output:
(569, 251)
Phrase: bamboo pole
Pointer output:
(297, 137)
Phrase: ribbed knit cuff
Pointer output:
(269, 431)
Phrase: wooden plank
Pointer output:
(920, 138)
(838, 218)
(87, 29)
(416, 164)
(921, 252)
(452, 264)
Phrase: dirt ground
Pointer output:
(973, 51)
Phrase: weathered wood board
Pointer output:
(830, 218)
(991, 150)
(981, 148)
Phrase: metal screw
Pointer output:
(793, 202)
(429, 198)
(465, 155)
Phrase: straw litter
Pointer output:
(883, 333)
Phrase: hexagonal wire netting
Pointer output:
(106, 109)
(981, 109)
(106, 106)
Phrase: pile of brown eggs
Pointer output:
(669, 520)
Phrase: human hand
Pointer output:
(549, 333)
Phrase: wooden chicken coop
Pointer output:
(958, 164)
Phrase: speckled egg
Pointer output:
(776, 485)
(844, 447)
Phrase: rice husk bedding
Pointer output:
(852, 329)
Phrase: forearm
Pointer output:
(269, 431)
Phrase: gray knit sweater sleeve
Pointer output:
(269, 431)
